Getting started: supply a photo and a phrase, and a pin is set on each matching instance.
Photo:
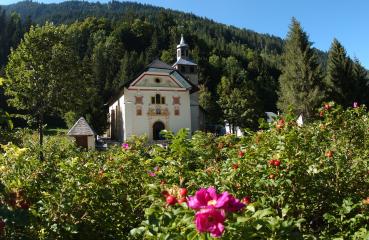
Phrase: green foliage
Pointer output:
(301, 78)
(237, 96)
(339, 74)
(318, 189)
(43, 73)
(70, 118)
(305, 197)
(346, 79)
(114, 49)
(75, 194)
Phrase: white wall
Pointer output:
(119, 104)
(142, 125)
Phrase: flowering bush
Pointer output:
(282, 182)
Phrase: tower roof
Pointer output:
(182, 61)
(81, 128)
(182, 43)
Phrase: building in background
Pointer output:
(161, 97)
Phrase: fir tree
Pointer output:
(339, 78)
(300, 81)
(360, 75)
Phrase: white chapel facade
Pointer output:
(161, 97)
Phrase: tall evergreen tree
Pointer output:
(361, 78)
(301, 78)
(339, 78)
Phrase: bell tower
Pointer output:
(184, 63)
(182, 49)
(189, 69)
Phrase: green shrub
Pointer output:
(305, 182)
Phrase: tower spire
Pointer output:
(182, 49)
(182, 42)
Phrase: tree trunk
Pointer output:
(41, 136)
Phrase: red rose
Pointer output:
(235, 166)
(277, 163)
(280, 124)
(183, 192)
(329, 154)
(246, 200)
(327, 106)
(171, 200)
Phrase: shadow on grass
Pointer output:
(55, 131)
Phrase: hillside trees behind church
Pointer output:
(115, 49)
(12, 28)
(237, 97)
(114, 60)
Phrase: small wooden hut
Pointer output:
(83, 133)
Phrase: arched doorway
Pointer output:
(157, 127)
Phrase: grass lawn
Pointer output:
(55, 131)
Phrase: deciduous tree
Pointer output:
(43, 74)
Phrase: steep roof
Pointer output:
(160, 64)
(163, 67)
(157, 66)
(81, 128)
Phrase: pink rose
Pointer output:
(125, 146)
(210, 220)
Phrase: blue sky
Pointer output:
(323, 20)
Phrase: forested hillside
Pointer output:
(238, 68)
(128, 36)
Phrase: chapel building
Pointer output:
(161, 97)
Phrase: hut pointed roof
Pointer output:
(81, 128)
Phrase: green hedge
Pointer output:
(304, 182)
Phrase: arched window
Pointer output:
(157, 128)
(158, 99)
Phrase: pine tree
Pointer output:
(361, 79)
(152, 51)
(339, 78)
(301, 78)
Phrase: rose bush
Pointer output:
(282, 182)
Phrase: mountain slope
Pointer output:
(71, 11)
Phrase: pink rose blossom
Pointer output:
(125, 145)
(355, 105)
(234, 205)
(212, 209)
(210, 220)
(208, 198)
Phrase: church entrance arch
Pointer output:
(157, 128)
